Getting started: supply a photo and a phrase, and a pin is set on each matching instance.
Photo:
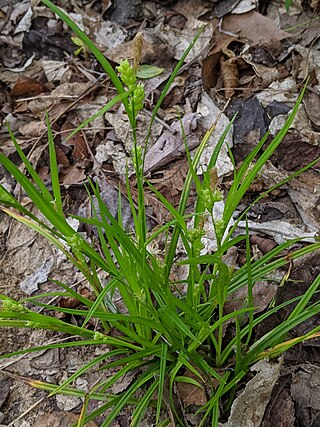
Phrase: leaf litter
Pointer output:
(246, 62)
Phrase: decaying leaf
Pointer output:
(305, 387)
(312, 106)
(254, 28)
(248, 409)
(170, 182)
(26, 87)
(170, 145)
(230, 75)
(30, 283)
(191, 394)
(33, 129)
(80, 149)
(73, 175)
(209, 72)
(265, 245)
(211, 115)
(281, 231)
(59, 419)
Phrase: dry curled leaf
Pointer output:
(209, 70)
(230, 75)
(80, 150)
(264, 245)
(71, 302)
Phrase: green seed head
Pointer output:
(210, 197)
(127, 74)
(195, 234)
(9, 304)
(99, 336)
(75, 242)
(219, 228)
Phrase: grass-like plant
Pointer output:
(163, 334)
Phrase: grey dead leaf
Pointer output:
(109, 193)
(280, 91)
(225, 7)
(152, 84)
(244, 6)
(170, 146)
(248, 409)
(30, 284)
(209, 240)
(67, 403)
(17, 14)
(7, 147)
(305, 196)
(267, 74)
(310, 60)
(4, 221)
(305, 388)
(27, 68)
(25, 22)
(110, 34)
(118, 145)
(116, 153)
(211, 115)
(180, 39)
(48, 361)
(281, 231)
(54, 70)
(301, 123)
(5, 384)
(33, 129)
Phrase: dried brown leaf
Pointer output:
(80, 150)
(190, 394)
(26, 87)
(254, 29)
(209, 70)
(230, 75)
(73, 175)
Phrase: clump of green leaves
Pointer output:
(163, 334)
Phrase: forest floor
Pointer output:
(254, 63)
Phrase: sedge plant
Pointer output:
(162, 335)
